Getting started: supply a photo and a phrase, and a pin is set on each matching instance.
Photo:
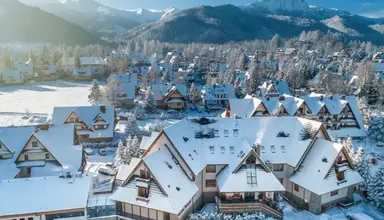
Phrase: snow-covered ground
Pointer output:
(32, 103)
(335, 213)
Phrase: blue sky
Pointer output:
(354, 6)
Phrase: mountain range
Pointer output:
(20, 23)
(86, 21)
(259, 20)
(98, 19)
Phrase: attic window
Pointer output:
(226, 133)
(262, 148)
(232, 149)
(235, 132)
(283, 148)
(212, 149)
(273, 149)
(216, 133)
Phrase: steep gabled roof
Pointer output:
(314, 174)
(87, 114)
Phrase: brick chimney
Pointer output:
(258, 149)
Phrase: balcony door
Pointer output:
(249, 196)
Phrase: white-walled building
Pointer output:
(234, 161)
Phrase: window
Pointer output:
(210, 183)
(143, 192)
(296, 187)
(340, 176)
(222, 148)
(278, 167)
(232, 149)
(76, 119)
(25, 157)
(210, 169)
(235, 132)
(226, 133)
(71, 120)
(47, 156)
(30, 218)
(34, 144)
(212, 149)
(334, 193)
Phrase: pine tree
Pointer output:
(135, 147)
(376, 128)
(96, 95)
(119, 153)
(131, 127)
(127, 154)
(376, 189)
(363, 168)
(237, 86)
(149, 104)
(77, 61)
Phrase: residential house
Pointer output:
(25, 69)
(215, 70)
(97, 64)
(45, 198)
(341, 54)
(82, 73)
(340, 115)
(12, 77)
(41, 150)
(47, 71)
(123, 89)
(93, 123)
(274, 89)
(378, 57)
(217, 96)
(170, 96)
(241, 164)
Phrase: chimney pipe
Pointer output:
(102, 108)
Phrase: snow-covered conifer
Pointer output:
(95, 95)
(149, 104)
(376, 189)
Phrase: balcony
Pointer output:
(268, 207)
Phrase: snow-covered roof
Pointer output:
(91, 61)
(244, 107)
(318, 176)
(26, 68)
(129, 89)
(143, 70)
(88, 114)
(178, 188)
(289, 103)
(48, 194)
(281, 88)
(160, 91)
(125, 170)
(229, 132)
(125, 78)
(59, 141)
(11, 75)
(219, 92)
(147, 141)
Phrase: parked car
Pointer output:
(380, 144)
(88, 151)
(102, 152)
(106, 171)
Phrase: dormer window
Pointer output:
(212, 149)
(232, 149)
(235, 132)
(273, 149)
(216, 133)
(143, 192)
(222, 148)
(226, 133)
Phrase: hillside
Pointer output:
(218, 25)
(98, 19)
(226, 23)
(21, 23)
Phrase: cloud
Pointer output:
(375, 14)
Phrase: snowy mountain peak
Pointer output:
(276, 5)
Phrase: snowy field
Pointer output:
(38, 100)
